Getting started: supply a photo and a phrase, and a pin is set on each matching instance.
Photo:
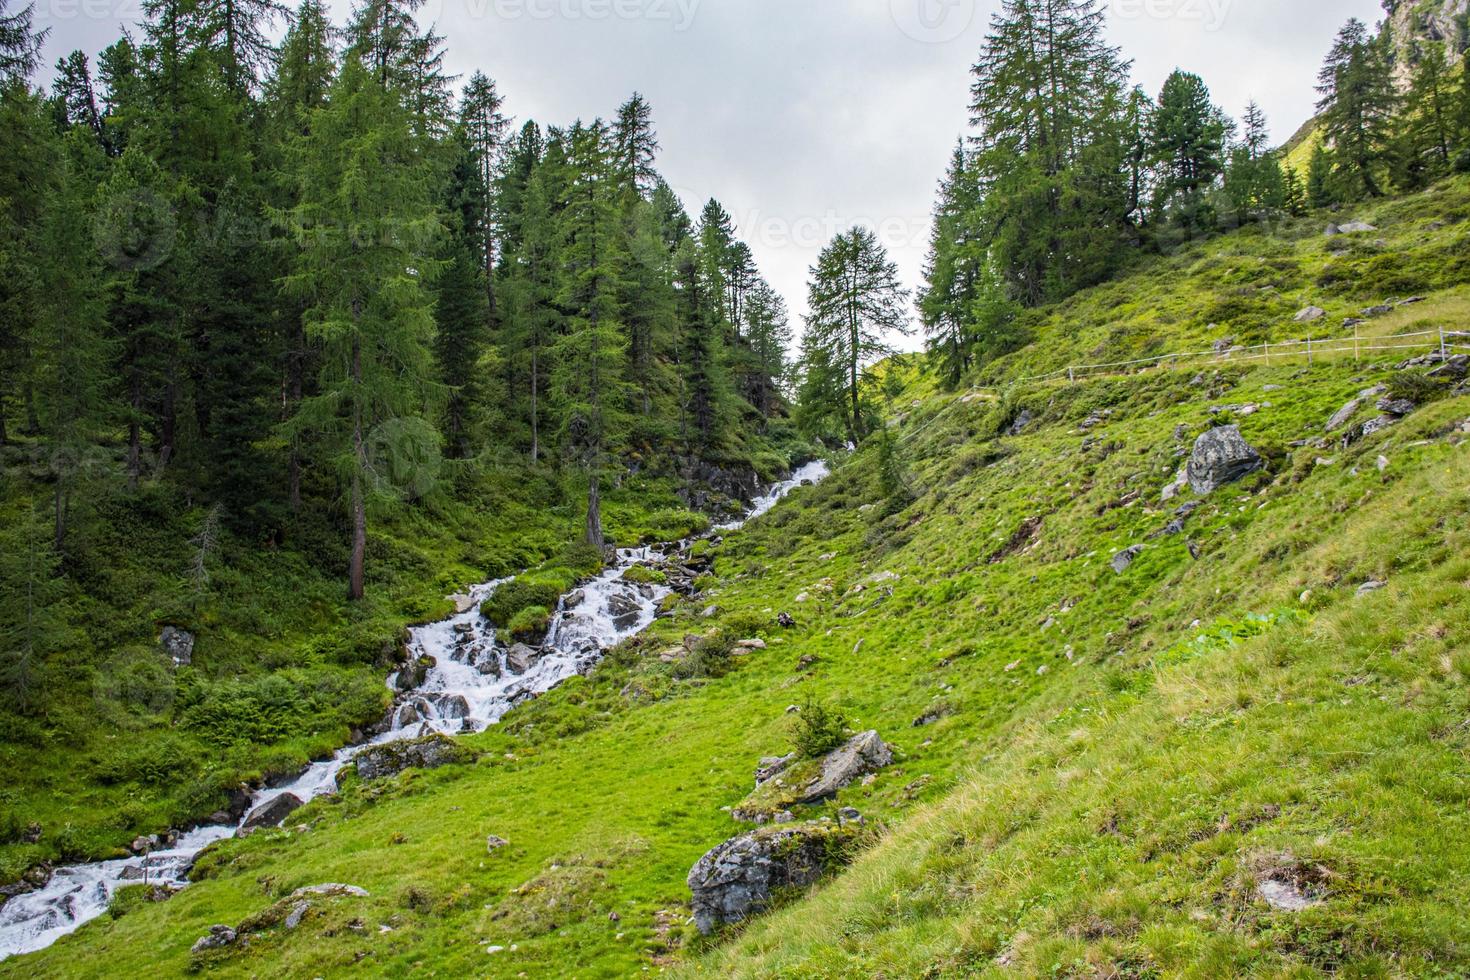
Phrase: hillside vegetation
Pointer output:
(1098, 773)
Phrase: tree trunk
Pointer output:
(170, 426)
(295, 371)
(135, 435)
(594, 514)
(60, 540)
(359, 511)
(535, 421)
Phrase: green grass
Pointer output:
(1108, 763)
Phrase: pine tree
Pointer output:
(1188, 147)
(1254, 180)
(76, 95)
(237, 31)
(462, 313)
(70, 350)
(855, 301)
(1429, 125)
(364, 226)
(768, 332)
(704, 382)
(34, 618)
(1357, 107)
(484, 128)
(1320, 189)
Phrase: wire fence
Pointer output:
(1446, 343)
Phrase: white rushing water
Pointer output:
(475, 680)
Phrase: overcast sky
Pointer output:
(805, 117)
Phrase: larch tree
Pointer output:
(855, 302)
(590, 355)
(365, 228)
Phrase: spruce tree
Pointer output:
(20, 43)
(365, 227)
(768, 333)
(855, 301)
(1050, 106)
(1429, 123)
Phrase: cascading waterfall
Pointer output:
(473, 683)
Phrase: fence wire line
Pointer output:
(1310, 348)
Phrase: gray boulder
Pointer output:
(273, 812)
(219, 937)
(520, 658)
(454, 707)
(1396, 406)
(862, 754)
(432, 752)
(1310, 314)
(1124, 559)
(738, 878)
(1221, 456)
(178, 645)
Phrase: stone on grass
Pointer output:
(1221, 456)
(1310, 314)
(1124, 559)
(861, 755)
(330, 890)
(219, 937)
(738, 878)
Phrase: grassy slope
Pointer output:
(1102, 788)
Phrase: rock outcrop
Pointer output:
(738, 878)
(432, 752)
(1221, 456)
(178, 645)
(862, 754)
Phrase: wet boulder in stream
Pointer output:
(271, 813)
(625, 611)
(430, 752)
(521, 658)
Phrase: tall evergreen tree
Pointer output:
(590, 388)
(635, 145)
(20, 43)
(1188, 147)
(952, 271)
(855, 302)
(768, 332)
(1049, 104)
(365, 226)
(1357, 107)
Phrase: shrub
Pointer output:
(1417, 388)
(643, 575)
(817, 729)
(711, 657)
(539, 589)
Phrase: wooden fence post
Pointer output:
(1071, 376)
(1309, 352)
(1357, 347)
(1444, 354)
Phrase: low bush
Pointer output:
(817, 729)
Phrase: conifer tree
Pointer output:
(462, 312)
(636, 145)
(704, 382)
(20, 43)
(855, 302)
(1357, 107)
(589, 384)
(952, 271)
(1188, 147)
(1429, 124)
(364, 227)
(76, 95)
(768, 333)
